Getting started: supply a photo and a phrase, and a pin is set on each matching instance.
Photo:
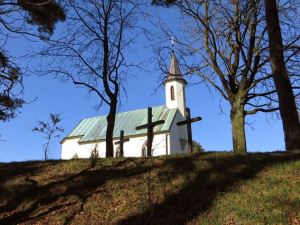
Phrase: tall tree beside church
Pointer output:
(232, 57)
(21, 18)
(287, 105)
(226, 42)
(97, 34)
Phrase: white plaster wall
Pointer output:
(179, 92)
(160, 145)
(177, 132)
(70, 148)
(132, 148)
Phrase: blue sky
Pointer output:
(19, 143)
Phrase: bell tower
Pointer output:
(175, 87)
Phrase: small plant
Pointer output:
(197, 147)
(75, 156)
(94, 156)
(50, 130)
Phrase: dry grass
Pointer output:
(209, 188)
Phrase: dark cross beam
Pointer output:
(149, 126)
(189, 122)
(121, 142)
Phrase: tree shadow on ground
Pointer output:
(222, 175)
(82, 185)
(22, 168)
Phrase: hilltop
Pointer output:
(207, 188)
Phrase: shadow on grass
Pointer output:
(221, 174)
(198, 195)
(82, 185)
(22, 168)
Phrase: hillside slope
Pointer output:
(209, 188)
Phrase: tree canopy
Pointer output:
(20, 17)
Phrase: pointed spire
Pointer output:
(174, 70)
(174, 66)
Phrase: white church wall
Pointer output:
(101, 148)
(132, 148)
(177, 133)
(70, 148)
(160, 145)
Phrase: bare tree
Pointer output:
(50, 130)
(225, 44)
(20, 18)
(97, 34)
(281, 52)
(287, 105)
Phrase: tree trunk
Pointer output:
(46, 149)
(237, 116)
(45, 154)
(287, 105)
(111, 118)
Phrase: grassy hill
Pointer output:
(209, 188)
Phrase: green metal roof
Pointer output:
(92, 129)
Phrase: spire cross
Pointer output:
(149, 126)
(189, 122)
(121, 142)
(172, 42)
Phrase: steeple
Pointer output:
(174, 71)
(175, 87)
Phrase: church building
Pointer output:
(169, 138)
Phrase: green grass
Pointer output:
(208, 188)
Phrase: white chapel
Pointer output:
(169, 138)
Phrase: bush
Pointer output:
(197, 147)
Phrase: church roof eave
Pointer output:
(71, 137)
(175, 78)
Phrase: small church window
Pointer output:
(172, 93)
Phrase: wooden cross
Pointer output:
(189, 122)
(121, 142)
(149, 126)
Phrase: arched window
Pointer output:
(172, 93)
(144, 149)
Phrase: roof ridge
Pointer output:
(123, 112)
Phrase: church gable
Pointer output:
(94, 129)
